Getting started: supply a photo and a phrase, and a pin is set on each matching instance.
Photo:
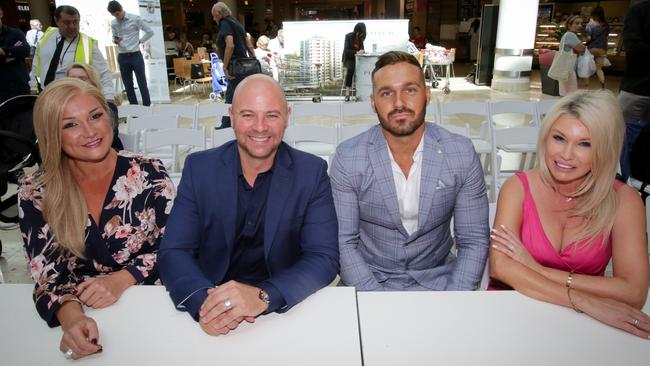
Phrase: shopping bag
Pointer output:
(586, 65)
(563, 63)
(606, 62)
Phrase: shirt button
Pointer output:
(250, 222)
(439, 151)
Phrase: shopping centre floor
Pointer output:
(12, 260)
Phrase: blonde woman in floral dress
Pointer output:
(91, 218)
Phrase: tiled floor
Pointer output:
(12, 261)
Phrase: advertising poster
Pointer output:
(313, 49)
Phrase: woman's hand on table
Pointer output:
(100, 292)
(614, 313)
(80, 334)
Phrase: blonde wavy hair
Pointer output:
(601, 113)
(64, 206)
(90, 70)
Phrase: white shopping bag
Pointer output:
(586, 65)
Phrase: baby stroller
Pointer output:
(18, 150)
(219, 81)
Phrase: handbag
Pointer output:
(243, 66)
(563, 63)
(586, 65)
(197, 71)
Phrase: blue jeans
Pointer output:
(129, 64)
(632, 131)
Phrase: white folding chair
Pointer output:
(184, 111)
(317, 140)
(221, 136)
(349, 131)
(129, 141)
(173, 137)
(485, 280)
(137, 125)
(324, 114)
(511, 140)
(212, 113)
(460, 114)
(134, 110)
(433, 111)
(357, 113)
(543, 107)
(512, 113)
(515, 113)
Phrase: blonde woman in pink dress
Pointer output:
(558, 225)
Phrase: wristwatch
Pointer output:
(264, 296)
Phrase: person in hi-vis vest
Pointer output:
(64, 45)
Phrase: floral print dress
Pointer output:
(127, 236)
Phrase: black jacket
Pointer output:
(14, 75)
(636, 38)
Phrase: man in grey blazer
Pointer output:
(396, 188)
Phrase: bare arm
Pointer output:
(532, 283)
(629, 283)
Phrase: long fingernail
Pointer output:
(492, 236)
(502, 226)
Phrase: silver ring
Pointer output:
(636, 323)
(68, 354)
(227, 304)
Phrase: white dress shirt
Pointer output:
(33, 36)
(408, 188)
(129, 30)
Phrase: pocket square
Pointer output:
(440, 185)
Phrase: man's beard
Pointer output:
(405, 129)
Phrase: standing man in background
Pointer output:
(232, 44)
(635, 85)
(64, 45)
(126, 35)
(34, 35)
(14, 77)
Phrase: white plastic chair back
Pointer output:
(173, 137)
(324, 114)
(349, 131)
(134, 110)
(543, 107)
(513, 113)
(314, 139)
(213, 111)
(221, 136)
(187, 112)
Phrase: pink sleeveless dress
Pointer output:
(583, 257)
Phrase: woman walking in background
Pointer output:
(572, 43)
(353, 45)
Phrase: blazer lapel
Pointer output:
(226, 197)
(432, 160)
(381, 166)
(278, 195)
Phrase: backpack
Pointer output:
(640, 156)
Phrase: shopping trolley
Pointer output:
(440, 57)
(298, 79)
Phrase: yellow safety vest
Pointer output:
(83, 53)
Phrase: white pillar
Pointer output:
(513, 56)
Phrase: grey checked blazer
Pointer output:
(376, 252)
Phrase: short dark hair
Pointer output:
(68, 9)
(114, 6)
(395, 57)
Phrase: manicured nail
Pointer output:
(502, 226)
(492, 236)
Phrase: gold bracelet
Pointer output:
(568, 293)
(569, 279)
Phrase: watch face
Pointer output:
(264, 296)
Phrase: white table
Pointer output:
(487, 328)
(144, 328)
